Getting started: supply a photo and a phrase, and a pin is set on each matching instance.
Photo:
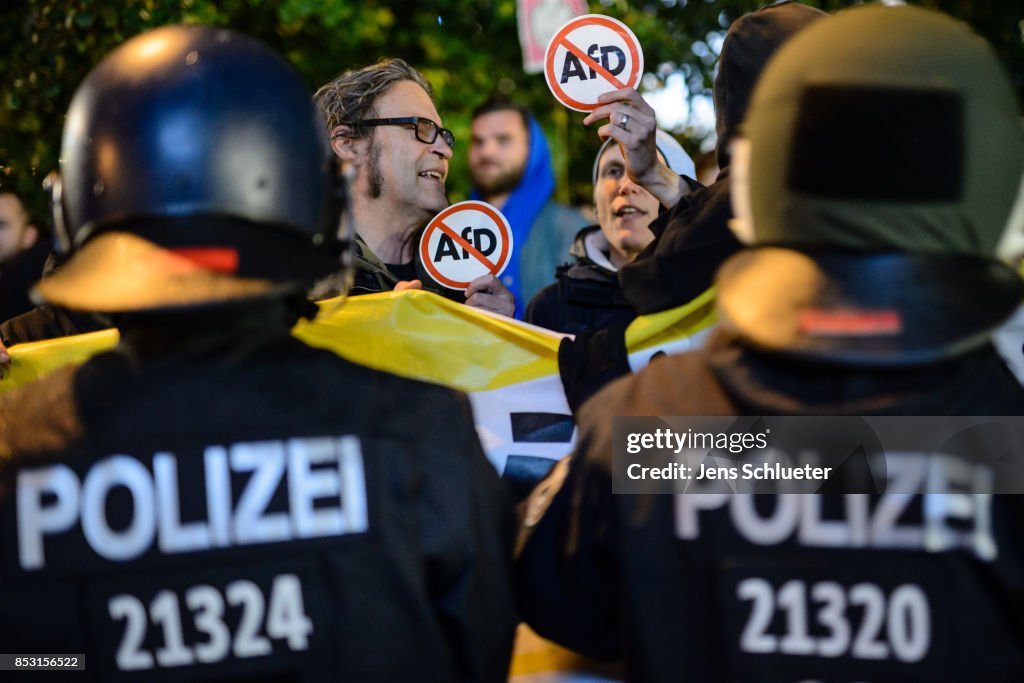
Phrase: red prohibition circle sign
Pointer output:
(475, 261)
(560, 39)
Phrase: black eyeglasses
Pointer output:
(426, 130)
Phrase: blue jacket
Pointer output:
(542, 229)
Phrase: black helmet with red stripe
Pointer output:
(194, 169)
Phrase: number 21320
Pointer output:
(897, 625)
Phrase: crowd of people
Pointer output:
(215, 500)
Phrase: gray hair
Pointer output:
(352, 96)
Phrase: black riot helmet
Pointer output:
(880, 180)
(194, 169)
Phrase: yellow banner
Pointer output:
(421, 335)
(412, 333)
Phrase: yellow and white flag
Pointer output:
(509, 369)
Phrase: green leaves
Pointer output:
(467, 48)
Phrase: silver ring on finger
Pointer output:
(623, 121)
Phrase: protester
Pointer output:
(44, 322)
(877, 184)
(22, 255)
(384, 202)
(20, 320)
(17, 231)
(510, 165)
(692, 238)
(214, 499)
(587, 294)
(382, 122)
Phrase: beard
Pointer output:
(375, 183)
(374, 177)
(502, 183)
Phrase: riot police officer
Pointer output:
(877, 185)
(214, 499)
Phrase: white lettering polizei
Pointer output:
(953, 496)
(99, 482)
(36, 520)
(322, 477)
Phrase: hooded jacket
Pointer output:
(692, 239)
(542, 229)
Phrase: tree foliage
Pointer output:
(467, 49)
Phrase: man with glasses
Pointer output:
(383, 124)
(223, 515)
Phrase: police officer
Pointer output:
(214, 499)
(883, 161)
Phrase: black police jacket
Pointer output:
(238, 506)
(729, 588)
